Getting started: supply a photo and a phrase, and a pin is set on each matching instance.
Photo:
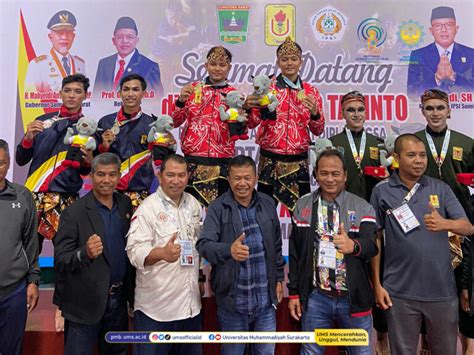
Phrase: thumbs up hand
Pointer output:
(171, 251)
(434, 221)
(239, 251)
(342, 242)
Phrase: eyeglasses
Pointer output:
(127, 38)
(447, 26)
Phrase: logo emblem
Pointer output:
(434, 201)
(457, 153)
(16, 205)
(233, 23)
(328, 24)
(279, 23)
(162, 217)
(374, 153)
(410, 33)
(372, 33)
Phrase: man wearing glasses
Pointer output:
(126, 61)
(443, 64)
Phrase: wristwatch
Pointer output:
(356, 249)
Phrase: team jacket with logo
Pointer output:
(288, 134)
(46, 153)
(204, 134)
(358, 217)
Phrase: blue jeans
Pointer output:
(81, 338)
(141, 322)
(13, 320)
(261, 321)
(321, 313)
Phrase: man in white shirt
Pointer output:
(46, 71)
(161, 245)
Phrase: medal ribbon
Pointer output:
(439, 159)
(357, 156)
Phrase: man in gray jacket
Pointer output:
(241, 238)
(19, 270)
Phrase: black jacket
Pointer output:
(301, 249)
(221, 227)
(82, 285)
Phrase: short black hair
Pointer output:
(405, 137)
(327, 153)
(76, 78)
(213, 49)
(240, 161)
(105, 159)
(176, 158)
(131, 77)
(4, 146)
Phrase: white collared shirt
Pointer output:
(126, 59)
(442, 50)
(165, 291)
(60, 57)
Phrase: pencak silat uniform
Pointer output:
(132, 148)
(53, 185)
(358, 183)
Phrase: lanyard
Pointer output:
(439, 159)
(291, 84)
(357, 156)
(323, 222)
(49, 122)
(411, 193)
(117, 124)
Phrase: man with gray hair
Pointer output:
(19, 270)
(90, 255)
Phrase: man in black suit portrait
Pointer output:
(126, 61)
(96, 278)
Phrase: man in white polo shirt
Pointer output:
(161, 245)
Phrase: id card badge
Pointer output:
(327, 255)
(405, 218)
(187, 255)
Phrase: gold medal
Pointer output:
(198, 93)
(301, 95)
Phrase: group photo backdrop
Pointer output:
(362, 45)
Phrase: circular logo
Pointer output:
(153, 337)
(162, 217)
(167, 337)
(372, 32)
(218, 337)
(410, 33)
(211, 337)
(161, 337)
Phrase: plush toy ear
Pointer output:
(224, 94)
(251, 76)
(271, 76)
